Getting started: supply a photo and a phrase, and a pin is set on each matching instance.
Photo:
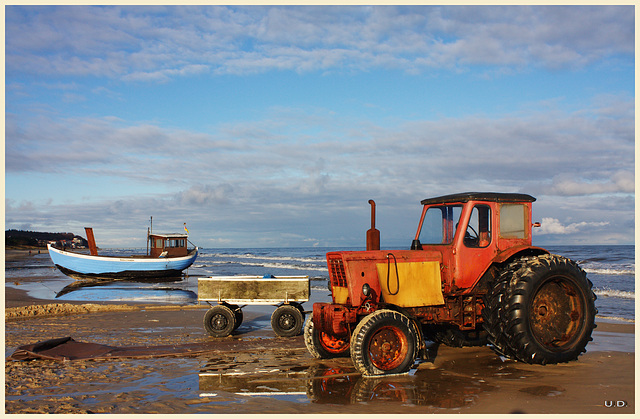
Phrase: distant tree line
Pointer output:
(17, 238)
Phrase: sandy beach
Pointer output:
(256, 372)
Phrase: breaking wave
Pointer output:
(274, 258)
(272, 265)
(607, 292)
(616, 318)
(610, 271)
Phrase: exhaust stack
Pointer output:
(373, 235)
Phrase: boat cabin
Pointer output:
(168, 245)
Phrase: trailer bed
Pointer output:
(253, 289)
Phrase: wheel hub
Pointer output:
(388, 348)
(556, 313)
(219, 322)
(287, 322)
(332, 343)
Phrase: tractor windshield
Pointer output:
(440, 223)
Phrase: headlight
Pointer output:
(366, 289)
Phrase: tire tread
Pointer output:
(506, 307)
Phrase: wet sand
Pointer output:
(256, 372)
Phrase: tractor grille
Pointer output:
(336, 272)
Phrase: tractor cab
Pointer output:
(476, 227)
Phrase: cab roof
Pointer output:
(170, 235)
(479, 196)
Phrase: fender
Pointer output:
(520, 251)
(511, 253)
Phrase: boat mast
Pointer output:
(149, 231)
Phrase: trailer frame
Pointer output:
(232, 293)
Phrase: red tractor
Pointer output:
(470, 277)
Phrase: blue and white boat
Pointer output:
(168, 256)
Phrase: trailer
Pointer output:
(232, 293)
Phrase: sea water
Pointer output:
(611, 269)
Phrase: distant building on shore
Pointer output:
(23, 238)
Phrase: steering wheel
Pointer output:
(471, 237)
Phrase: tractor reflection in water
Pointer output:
(337, 381)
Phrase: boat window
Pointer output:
(175, 243)
(439, 224)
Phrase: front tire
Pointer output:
(384, 342)
(541, 310)
(323, 345)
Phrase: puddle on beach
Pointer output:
(241, 381)
(340, 384)
(611, 341)
(169, 292)
(61, 288)
(337, 382)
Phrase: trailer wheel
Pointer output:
(220, 321)
(541, 310)
(287, 321)
(384, 342)
(237, 311)
(323, 345)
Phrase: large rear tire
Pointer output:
(384, 342)
(322, 345)
(541, 310)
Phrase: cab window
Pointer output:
(478, 232)
(512, 221)
(440, 224)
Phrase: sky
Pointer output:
(272, 126)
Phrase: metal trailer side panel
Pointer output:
(253, 289)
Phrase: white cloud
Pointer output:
(311, 173)
(206, 194)
(620, 181)
(550, 153)
(158, 43)
(554, 226)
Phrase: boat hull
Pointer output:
(80, 266)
